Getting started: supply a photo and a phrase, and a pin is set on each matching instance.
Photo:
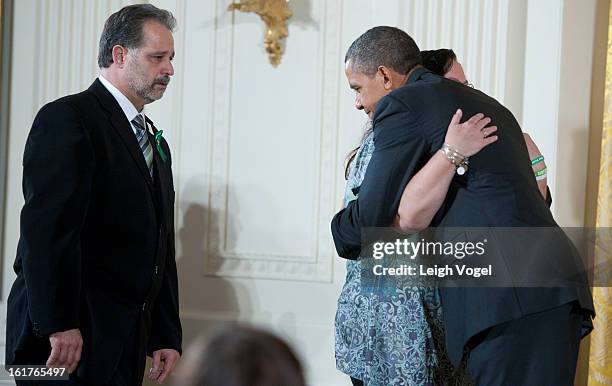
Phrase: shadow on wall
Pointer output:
(206, 301)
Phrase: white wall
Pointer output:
(258, 152)
(557, 98)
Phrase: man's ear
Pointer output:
(119, 55)
(386, 76)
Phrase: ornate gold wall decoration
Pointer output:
(275, 14)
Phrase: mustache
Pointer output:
(163, 81)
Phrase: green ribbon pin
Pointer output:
(158, 138)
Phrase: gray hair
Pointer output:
(383, 46)
(125, 27)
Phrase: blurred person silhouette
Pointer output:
(238, 355)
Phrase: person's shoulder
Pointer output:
(418, 94)
(67, 105)
(411, 97)
(83, 98)
(429, 86)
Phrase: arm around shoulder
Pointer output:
(400, 151)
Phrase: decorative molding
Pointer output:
(177, 108)
(275, 14)
(476, 30)
(317, 264)
(261, 318)
(68, 34)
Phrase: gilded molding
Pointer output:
(275, 14)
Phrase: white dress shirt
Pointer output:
(128, 108)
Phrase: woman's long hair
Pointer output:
(353, 153)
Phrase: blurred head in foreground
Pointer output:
(240, 356)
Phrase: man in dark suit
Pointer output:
(508, 336)
(96, 288)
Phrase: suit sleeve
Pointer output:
(166, 325)
(400, 151)
(58, 166)
(548, 197)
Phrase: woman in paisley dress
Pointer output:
(389, 336)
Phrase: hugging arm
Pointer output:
(534, 153)
(400, 150)
(401, 170)
(426, 191)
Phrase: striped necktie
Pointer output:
(143, 141)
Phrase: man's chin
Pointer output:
(153, 96)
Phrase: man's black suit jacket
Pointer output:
(96, 250)
(499, 190)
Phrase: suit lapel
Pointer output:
(123, 128)
(162, 171)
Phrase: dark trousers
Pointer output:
(538, 349)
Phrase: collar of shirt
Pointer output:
(128, 108)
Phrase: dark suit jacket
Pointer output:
(96, 250)
(499, 190)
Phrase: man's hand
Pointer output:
(160, 371)
(66, 349)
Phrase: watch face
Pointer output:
(461, 170)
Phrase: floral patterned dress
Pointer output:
(388, 336)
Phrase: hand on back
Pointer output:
(471, 136)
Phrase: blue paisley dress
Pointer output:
(388, 336)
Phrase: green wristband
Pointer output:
(537, 160)
(540, 173)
